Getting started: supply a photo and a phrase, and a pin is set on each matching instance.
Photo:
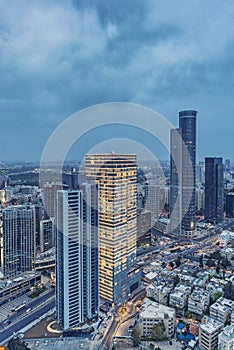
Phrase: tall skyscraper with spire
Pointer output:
(116, 175)
(183, 175)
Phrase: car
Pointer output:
(6, 322)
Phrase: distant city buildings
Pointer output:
(18, 239)
(182, 173)
(143, 228)
(117, 187)
(49, 195)
(229, 205)
(152, 200)
(214, 189)
(47, 235)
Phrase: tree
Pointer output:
(176, 280)
(229, 291)
(136, 335)
(201, 261)
(158, 331)
(216, 296)
(178, 261)
(210, 262)
(216, 255)
(17, 344)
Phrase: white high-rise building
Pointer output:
(77, 256)
(69, 264)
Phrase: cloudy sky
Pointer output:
(57, 57)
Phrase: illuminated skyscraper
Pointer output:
(214, 189)
(183, 175)
(116, 175)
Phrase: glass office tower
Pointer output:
(214, 189)
(116, 175)
(18, 230)
(183, 175)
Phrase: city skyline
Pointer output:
(168, 62)
(116, 174)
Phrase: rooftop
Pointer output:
(228, 333)
(209, 325)
(151, 309)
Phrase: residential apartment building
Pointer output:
(226, 338)
(198, 302)
(221, 310)
(77, 286)
(151, 313)
(208, 333)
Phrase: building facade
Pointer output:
(18, 235)
(214, 189)
(116, 175)
(77, 257)
(152, 313)
(229, 205)
(152, 200)
(208, 333)
(47, 236)
(183, 175)
(221, 310)
(226, 338)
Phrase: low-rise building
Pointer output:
(198, 302)
(152, 313)
(226, 338)
(179, 298)
(10, 289)
(224, 239)
(221, 310)
(187, 280)
(208, 333)
(159, 293)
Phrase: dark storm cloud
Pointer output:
(57, 57)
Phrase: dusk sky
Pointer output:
(57, 57)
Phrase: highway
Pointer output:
(20, 320)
